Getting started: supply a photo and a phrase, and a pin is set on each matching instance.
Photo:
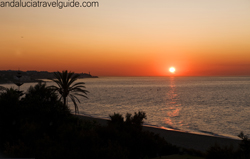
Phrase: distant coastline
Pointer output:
(10, 76)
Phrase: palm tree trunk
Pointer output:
(64, 101)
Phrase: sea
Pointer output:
(217, 106)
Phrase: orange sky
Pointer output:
(130, 38)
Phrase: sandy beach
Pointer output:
(182, 139)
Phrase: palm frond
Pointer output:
(72, 78)
(81, 95)
(77, 89)
(58, 77)
(78, 84)
(73, 100)
(76, 98)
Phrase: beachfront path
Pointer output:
(182, 139)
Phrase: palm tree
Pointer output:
(66, 87)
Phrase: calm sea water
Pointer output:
(210, 105)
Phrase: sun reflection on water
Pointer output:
(172, 106)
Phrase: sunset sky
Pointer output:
(130, 38)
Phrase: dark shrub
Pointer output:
(216, 152)
(129, 135)
(10, 112)
(244, 145)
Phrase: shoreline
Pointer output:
(180, 138)
(32, 81)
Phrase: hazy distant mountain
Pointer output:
(10, 76)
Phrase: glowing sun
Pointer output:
(172, 69)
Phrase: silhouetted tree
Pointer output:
(41, 93)
(66, 87)
(44, 99)
(245, 145)
(137, 119)
(2, 88)
(9, 114)
(9, 97)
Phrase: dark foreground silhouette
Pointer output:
(39, 125)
